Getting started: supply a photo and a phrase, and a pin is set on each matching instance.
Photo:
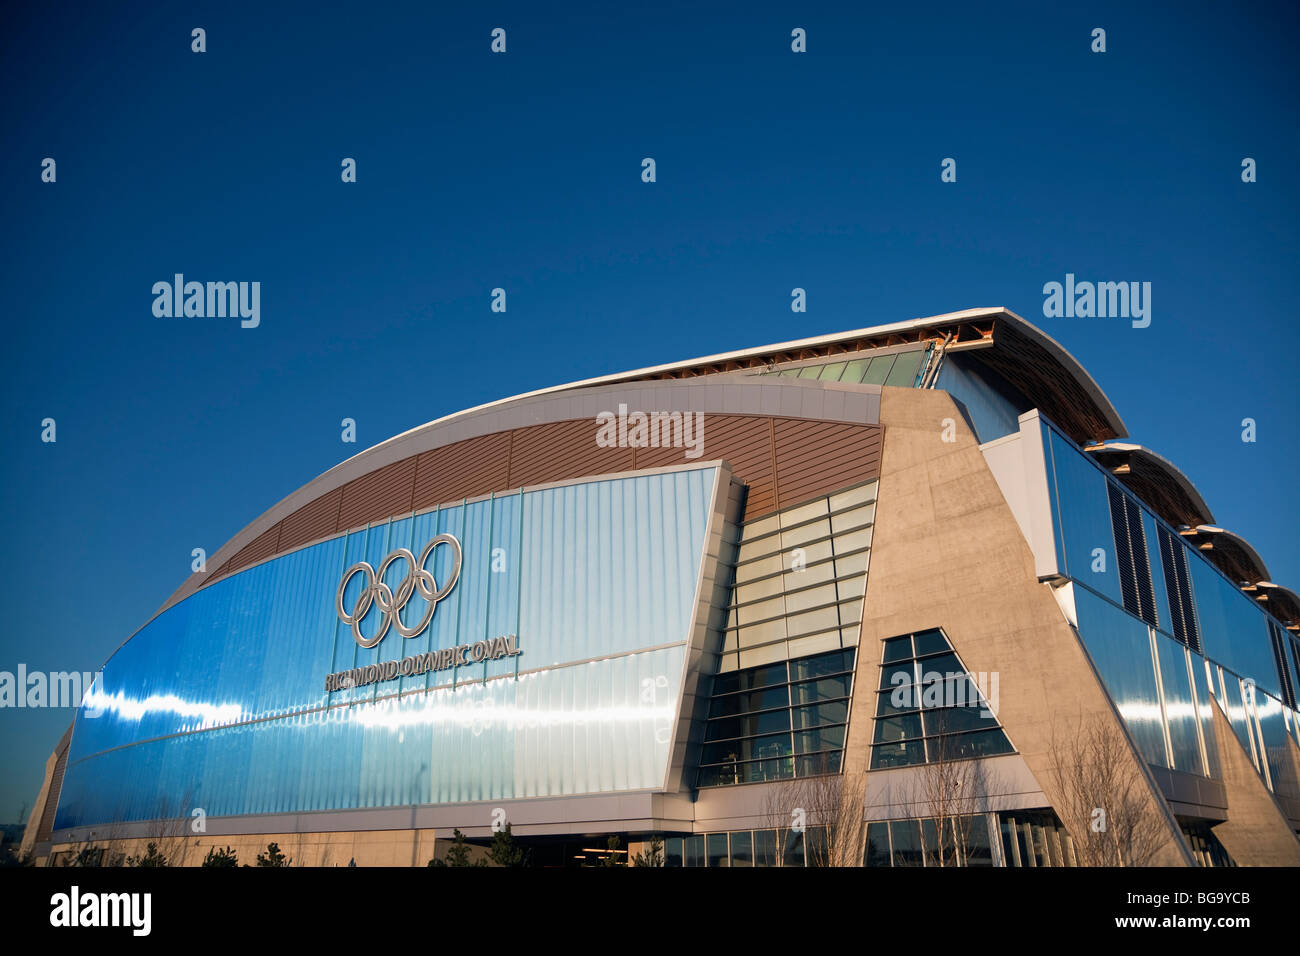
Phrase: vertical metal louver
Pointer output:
(1179, 588)
(1279, 658)
(1131, 555)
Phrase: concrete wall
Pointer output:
(948, 552)
(1256, 833)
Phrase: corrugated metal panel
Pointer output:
(782, 461)
(263, 546)
(814, 458)
(561, 450)
(381, 494)
(46, 826)
(467, 468)
(744, 441)
(314, 521)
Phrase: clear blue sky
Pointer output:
(475, 171)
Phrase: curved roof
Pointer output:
(1022, 354)
(1026, 356)
(1282, 602)
(1155, 480)
(1231, 553)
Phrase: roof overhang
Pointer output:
(1231, 553)
(1155, 480)
(1029, 359)
(1282, 603)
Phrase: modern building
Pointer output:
(905, 582)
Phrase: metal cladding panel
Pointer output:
(381, 494)
(263, 546)
(221, 703)
(814, 458)
(562, 450)
(464, 469)
(316, 520)
(46, 826)
(745, 442)
(782, 461)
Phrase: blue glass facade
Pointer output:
(1158, 683)
(220, 702)
(994, 406)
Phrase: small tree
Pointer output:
(612, 857)
(652, 855)
(504, 851)
(151, 857)
(220, 858)
(1104, 801)
(273, 856)
(10, 856)
(954, 789)
(89, 856)
(457, 853)
(835, 802)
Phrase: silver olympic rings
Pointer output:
(390, 602)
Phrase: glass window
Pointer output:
(812, 741)
(836, 662)
(793, 848)
(828, 761)
(906, 838)
(832, 372)
(901, 699)
(816, 847)
(893, 729)
(975, 838)
(877, 853)
(752, 746)
(750, 701)
(954, 720)
(940, 667)
(694, 850)
(815, 715)
(719, 854)
(742, 849)
(931, 642)
(1010, 844)
(891, 675)
(765, 848)
(896, 649)
(878, 370)
(765, 723)
(903, 374)
(897, 754)
(828, 688)
(750, 679)
(673, 851)
(854, 370)
(984, 743)
(934, 854)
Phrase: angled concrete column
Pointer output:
(948, 552)
(1256, 832)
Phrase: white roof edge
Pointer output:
(1169, 467)
(1033, 331)
(1237, 539)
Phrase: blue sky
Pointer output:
(522, 171)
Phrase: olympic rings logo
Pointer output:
(390, 602)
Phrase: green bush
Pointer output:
(220, 858)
